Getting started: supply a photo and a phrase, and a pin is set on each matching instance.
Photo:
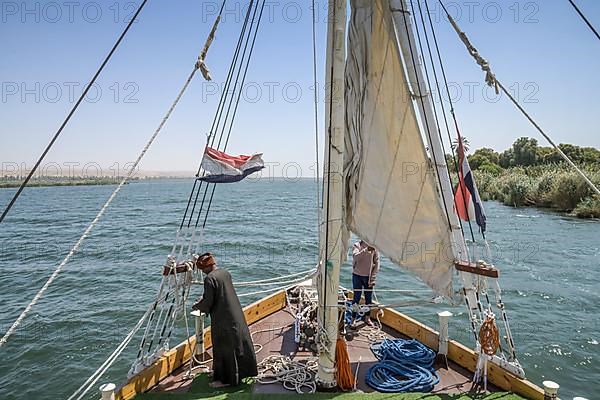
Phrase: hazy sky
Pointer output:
(540, 49)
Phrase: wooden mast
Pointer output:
(330, 243)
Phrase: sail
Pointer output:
(392, 197)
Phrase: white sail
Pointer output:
(392, 195)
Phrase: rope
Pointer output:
(274, 280)
(200, 64)
(71, 113)
(87, 386)
(217, 116)
(89, 229)
(275, 289)
(294, 375)
(489, 337)
(408, 359)
(423, 110)
(237, 103)
(588, 23)
(316, 111)
(373, 334)
(492, 81)
(243, 38)
(452, 112)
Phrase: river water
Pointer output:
(550, 269)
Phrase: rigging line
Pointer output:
(237, 103)
(71, 113)
(244, 39)
(492, 81)
(91, 381)
(218, 111)
(315, 83)
(192, 192)
(429, 88)
(452, 112)
(89, 229)
(422, 101)
(541, 131)
(583, 17)
(243, 66)
(435, 76)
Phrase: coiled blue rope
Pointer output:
(404, 366)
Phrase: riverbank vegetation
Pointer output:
(531, 175)
(13, 182)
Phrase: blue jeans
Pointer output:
(358, 284)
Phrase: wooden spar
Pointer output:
(416, 78)
(460, 354)
(178, 356)
(330, 243)
(489, 271)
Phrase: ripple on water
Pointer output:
(260, 229)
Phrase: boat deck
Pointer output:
(453, 379)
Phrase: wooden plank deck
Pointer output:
(453, 380)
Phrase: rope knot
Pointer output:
(201, 65)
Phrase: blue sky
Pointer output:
(541, 49)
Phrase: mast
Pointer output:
(331, 242)
(416, 78)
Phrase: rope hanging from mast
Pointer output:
(71, 113)
(493, 81)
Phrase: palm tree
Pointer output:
(465, 143)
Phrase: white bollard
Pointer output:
(199, 318)
(443, 337)
(550, 390)
(108, 391)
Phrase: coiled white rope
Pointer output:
(89, 229)
(89, 384)
(373, 333)
(293, 375)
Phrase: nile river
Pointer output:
(550, 274)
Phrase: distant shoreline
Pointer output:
(12, 183)
(8, 184)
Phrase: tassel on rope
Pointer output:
(343, 374)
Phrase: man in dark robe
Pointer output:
(233, 350)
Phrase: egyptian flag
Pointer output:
(466, 199)
(222, 168)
